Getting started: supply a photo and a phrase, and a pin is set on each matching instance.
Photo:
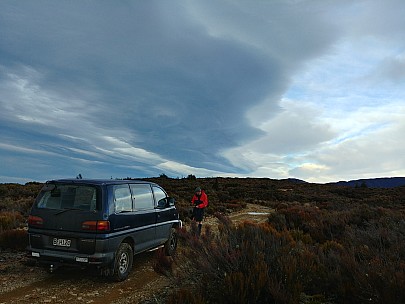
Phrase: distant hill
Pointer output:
(295, 180)
(383, 182)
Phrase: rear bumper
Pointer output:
(44, 256)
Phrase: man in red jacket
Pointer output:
(200, 202)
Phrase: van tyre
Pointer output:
(171, 243)
(123, 262)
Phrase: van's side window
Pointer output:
(142, 194)
(122, 198)
(159, 193)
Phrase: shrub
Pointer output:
(191, 177)
(278, 221)
(10, 220)
(342, 256)
(185, 296)
(162, 263)
(247, 263)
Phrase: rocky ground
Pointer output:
(21, 282)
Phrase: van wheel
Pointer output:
(171, 243)
(123, 262)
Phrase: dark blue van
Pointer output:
(101, 222)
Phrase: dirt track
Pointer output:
(20, 283)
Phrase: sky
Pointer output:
(307, 89)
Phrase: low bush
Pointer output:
(10, 220)
(162, 263)
(324, 257)
(247, 263)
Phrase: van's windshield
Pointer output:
(60, 196)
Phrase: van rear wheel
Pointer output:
(123, 262)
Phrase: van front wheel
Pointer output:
(123, 262)
(171, 243)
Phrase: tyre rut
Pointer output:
(81, 286)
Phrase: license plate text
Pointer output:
(61, 242)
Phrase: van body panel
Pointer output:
(83, 222)
(166, 219)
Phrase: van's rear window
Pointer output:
(59, 196)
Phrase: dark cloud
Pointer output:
(158, 73)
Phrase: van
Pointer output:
(101, 223)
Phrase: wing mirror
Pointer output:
(171, 201)
(166, 202)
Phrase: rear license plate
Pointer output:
(61, 242)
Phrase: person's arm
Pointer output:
(204, 200)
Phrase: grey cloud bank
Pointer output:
(211, 88)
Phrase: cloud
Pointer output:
(382, 20)
(377, 149)
(141, 74)
(391, 70)
(215, 87)
(362, 144)
(293, 132)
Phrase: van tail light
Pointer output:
(100, 226)
(103, 226)
(35, 221)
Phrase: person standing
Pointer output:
(199, 202)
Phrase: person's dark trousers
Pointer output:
(199, 229)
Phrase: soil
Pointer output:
(21, 282)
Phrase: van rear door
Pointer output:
(64, 218)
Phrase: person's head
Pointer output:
(197, 190)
